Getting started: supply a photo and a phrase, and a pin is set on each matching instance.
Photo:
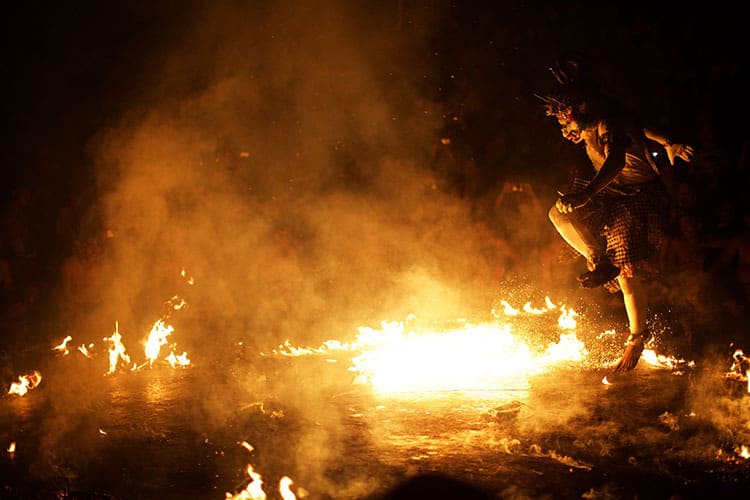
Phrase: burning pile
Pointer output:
(401, 357)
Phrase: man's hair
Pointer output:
(574, 93)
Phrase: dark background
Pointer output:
(73, 68)
(73, 71)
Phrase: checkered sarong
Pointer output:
(632, 221)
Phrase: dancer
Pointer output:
(615, 220)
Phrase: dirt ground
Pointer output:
(573, 432)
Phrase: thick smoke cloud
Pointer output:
(278, 156)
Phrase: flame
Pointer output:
(507, 309)
(85, 350)
(253, 491)
(25, 383)
(189, 279)
(606, 381)
(478, 357)
(744, 451)
(63, 346)
(740, 369)
(180, 360)
(663, 361)
(485, 356)
(157, 338)
(284, 484)
(567, 319)
(176, 303)
(117, 351)
(12, 447)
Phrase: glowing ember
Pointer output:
(12, 447)
(744, 451)
(606, 382)
(25, 383)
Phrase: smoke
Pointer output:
(281, 159)
(274, 172)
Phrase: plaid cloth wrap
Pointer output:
(632, 222)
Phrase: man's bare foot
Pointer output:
(633, 350)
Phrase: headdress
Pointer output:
(571, 92)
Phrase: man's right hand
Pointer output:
(568, 202)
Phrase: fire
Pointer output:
(477, 357)
(567, 320)
(285, 491)
(63, 346)
(25, 383)
(117, 351)
(157, 338)
(180, 360)
(740, 369)
(254, 489)
(12, 447)
(483, 356)
(663, 361)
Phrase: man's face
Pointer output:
(569, 127)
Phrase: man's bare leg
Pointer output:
(578, 236)
(634, 296)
